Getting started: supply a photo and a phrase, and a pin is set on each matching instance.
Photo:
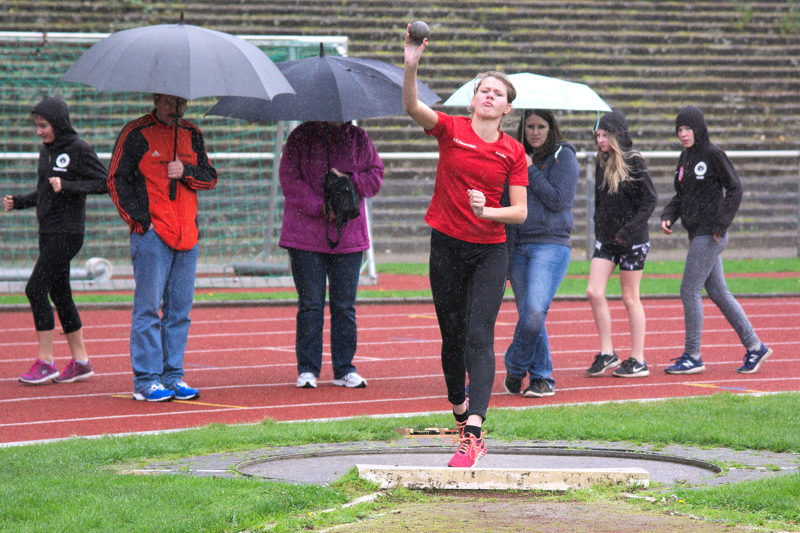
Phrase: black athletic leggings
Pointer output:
(467, 283)
(50, 276)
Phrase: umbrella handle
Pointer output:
(173, 184)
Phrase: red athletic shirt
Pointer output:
(468, 162)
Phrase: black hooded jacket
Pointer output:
(707, 189)
(72, 160)
(621, 218)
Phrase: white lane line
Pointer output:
(360, 402)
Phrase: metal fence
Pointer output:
(767, 224)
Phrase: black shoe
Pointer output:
(512, 385)
(538, 388)
(603, 362)
(632, 368)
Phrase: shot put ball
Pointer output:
(418, 32)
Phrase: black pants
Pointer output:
(50, 276)
(467, 283)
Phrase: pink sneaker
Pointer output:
(470, 451)
(75, 371)
(40, 372)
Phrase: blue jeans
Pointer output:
(310, 271)
(164, 280)
(536, 273)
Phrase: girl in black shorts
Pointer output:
(624, 199)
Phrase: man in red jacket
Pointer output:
(144, 167)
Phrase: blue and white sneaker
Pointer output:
(156, 393)
(686, 364)
(753, 359)
(183, 391)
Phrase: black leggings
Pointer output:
(467, 283)
(51, 276)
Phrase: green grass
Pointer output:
(570, 287)
(73, 485)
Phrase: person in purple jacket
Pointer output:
(317, 252)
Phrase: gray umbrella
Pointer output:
(180, 60)
(329, 88)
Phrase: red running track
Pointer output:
(243, 360)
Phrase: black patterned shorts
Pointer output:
(627, 257)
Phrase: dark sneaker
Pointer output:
(631, 368)
(75, 371)
(603, 362)
(753, 359)
(156, 393)
(538, 389)
(512, 384)
(40, 372)
(183, 391)
(686, 364)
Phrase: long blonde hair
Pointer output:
(615, 165)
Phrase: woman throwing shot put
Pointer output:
(468, 257)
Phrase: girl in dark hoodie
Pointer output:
(68, 170)
(624, 198)
(707, 195)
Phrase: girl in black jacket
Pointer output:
(707, 195)
(624, 199)
(68, 171)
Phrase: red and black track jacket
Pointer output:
(139, 186)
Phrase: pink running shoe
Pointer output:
(470, 451)
(40, 372)
(75, 371)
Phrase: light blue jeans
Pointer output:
(164, 281)
(536, 273)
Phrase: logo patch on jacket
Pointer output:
(700, 170)
(62, 162)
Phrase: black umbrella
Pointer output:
(180, 60)
(329, 88)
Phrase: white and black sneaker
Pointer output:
(631, 368)
(603, 362)
(306, 380)
(351, 381)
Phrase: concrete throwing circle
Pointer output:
(323, 467)
(322, 463)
